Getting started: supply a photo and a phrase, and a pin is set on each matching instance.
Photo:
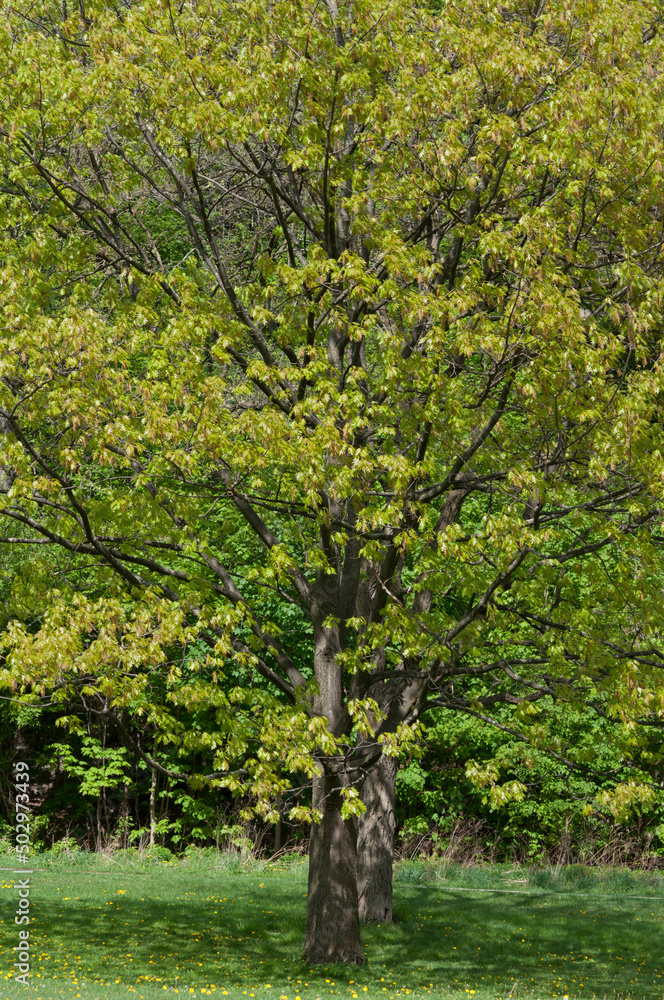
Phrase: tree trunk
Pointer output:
(125, 815)
(375, 842)
(107, 819)
(333, 926)
(277, 827)
(98, 848)
(153, 802)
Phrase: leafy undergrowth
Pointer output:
(135, 927)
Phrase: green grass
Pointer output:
(200, 928)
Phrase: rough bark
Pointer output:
(277, 828)
(375, 843)
(333, 926)
(153, 814)
(125, 815)
(376, 827)
(98, 817)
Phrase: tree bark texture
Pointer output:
(375, 842)
(333, 926)
(153, 804)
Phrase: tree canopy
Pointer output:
(352, 309)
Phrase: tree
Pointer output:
(384, 287)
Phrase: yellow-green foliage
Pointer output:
(380, 283)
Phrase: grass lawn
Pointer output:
(104, 930)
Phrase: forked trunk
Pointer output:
(375, 842)
(333, 926)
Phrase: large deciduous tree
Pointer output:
(379, 287)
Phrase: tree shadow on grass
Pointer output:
(552, 942)
(230, 932)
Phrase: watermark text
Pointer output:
(22, 844)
